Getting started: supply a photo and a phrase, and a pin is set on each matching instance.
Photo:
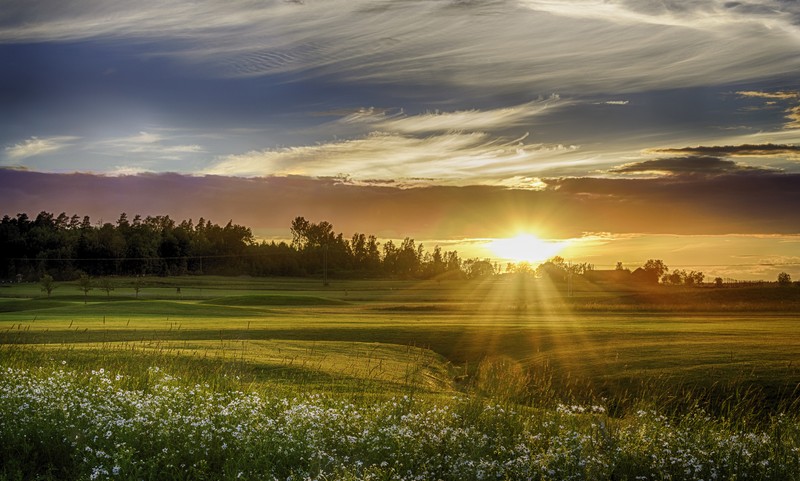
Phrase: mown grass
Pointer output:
(274, 300)
(689, 392)
(587, 354)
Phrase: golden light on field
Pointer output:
(525, 248)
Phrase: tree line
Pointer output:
(65, 247)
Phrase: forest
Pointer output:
(65, 247)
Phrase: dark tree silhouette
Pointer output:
(655, 269)
(47, 284)
(107, 286)
(85, 285)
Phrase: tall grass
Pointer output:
(65, 421)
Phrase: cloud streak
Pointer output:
(35, 146)
(742, 150)
(769, 95)
(455, 147)
(454, 157)
(147, 145)
(472, 120)
(692, 165)
(553, 45)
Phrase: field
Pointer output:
(514, 359)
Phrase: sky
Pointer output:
(625, 129)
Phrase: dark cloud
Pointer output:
(744, 150)
(692, 165)
(746, 202)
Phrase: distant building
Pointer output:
(610, 276)
(643, 276)
(639, 276)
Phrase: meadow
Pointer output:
(505, 378)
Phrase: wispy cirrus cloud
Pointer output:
(146, 145)
(694, 14)
(553, 45)
(457, 157)
(140, 152)
(472, 120)
(37, 146)
(143, 152)
(454, 147)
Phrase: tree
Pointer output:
(85, 284)
(137, 286)
(525, 268)
(47, 284)
(107, 286)
(408, 258)
(477, 269)
(784, 279)
(299, 231)
(676, 278)
(555, 268)
(389, 257)
(718, 281)
(695, 278)
(655, 268)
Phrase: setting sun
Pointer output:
(525, 248)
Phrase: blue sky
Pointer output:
(602, 97)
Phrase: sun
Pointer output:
(525, 248)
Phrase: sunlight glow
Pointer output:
(525, 248)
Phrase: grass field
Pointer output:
(365, 330)
(733, 354)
